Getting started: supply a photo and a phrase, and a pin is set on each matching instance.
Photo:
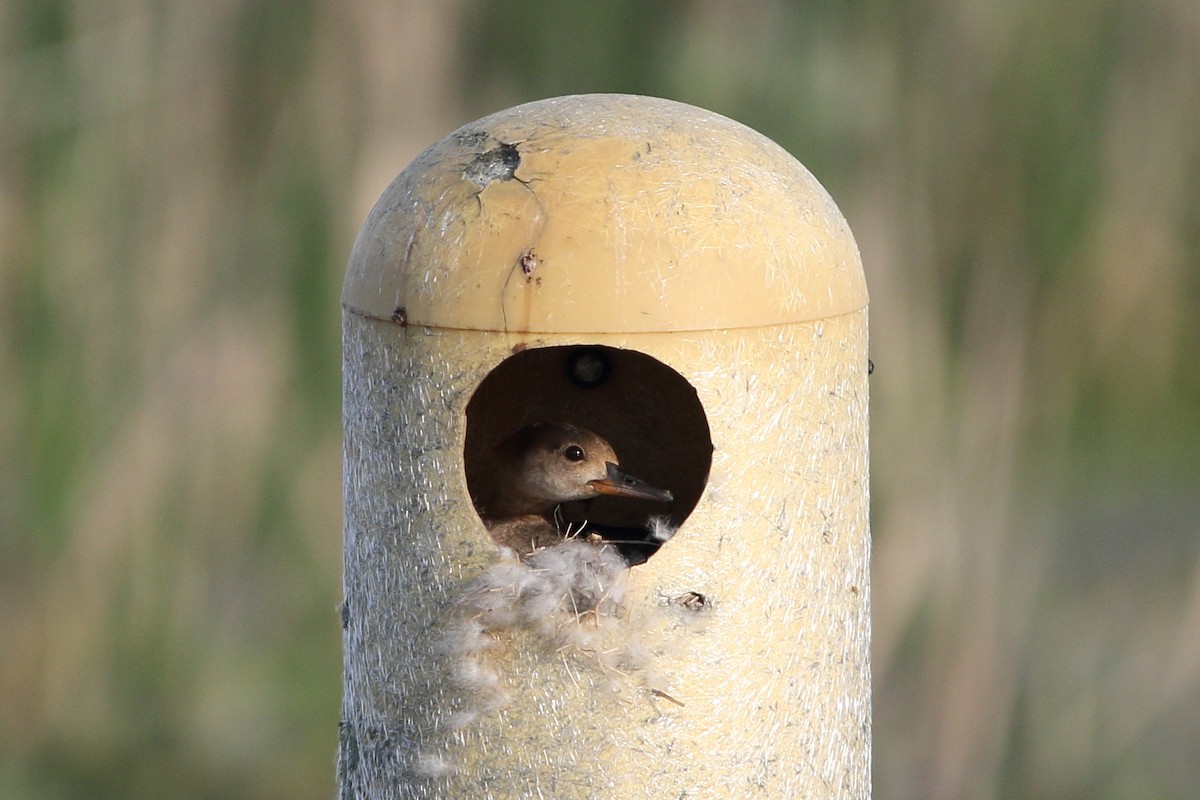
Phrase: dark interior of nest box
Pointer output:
(647, 411)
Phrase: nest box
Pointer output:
(682, 286)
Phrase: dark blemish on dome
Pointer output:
(498, 164)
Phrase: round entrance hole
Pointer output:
(647, 411)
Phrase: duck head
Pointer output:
(545, 464)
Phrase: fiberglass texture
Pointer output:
(759, 689)
(776, 682)
(420, 716)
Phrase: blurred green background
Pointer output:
(180, 184)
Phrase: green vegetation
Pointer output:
(180, 185)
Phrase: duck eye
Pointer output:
(574, 453)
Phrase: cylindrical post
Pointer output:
(680, 285)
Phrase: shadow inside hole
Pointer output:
(647, 411)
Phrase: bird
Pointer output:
(537, 468)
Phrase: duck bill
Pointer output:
(620, 484)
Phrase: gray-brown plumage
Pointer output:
(542, 465)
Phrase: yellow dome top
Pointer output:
(604, 213)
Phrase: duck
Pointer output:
(539, 467)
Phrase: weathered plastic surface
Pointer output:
(762, 689)
(605, 213)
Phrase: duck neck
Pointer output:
(506, 500)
